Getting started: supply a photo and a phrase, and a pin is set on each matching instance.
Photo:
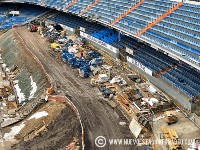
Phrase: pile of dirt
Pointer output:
(52, 109)
(63, 127)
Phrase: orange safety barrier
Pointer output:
(71, 4)
(127, 12)
(159, 19)
(89, 7)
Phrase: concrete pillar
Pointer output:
(119, 37)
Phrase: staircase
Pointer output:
(71, 4)
(159, 18)
(89, 7)
(127, 12)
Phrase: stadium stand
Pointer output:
(55, 4)
(89, 7)
(108, 11)
(169, 24)
(75, 22)
(107, 35)
(13, 20)
(181, 35)
(181, 32)
(184, 78)
(27, 13)
(2, 18)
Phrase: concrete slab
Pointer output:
(185, 129)
(135, 128)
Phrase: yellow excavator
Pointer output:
(55, 46)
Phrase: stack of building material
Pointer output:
(124, 99)
(171, 138)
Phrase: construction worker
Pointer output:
(82, 54)
(195, 144)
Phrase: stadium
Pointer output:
(76, 70)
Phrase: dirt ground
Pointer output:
(53, 110)
(62, 128)
(99, 119)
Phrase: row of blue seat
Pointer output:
(79, 6)
(184, 20)
(170, 46)
(27, 12)
(12, 21)
(156, 61)
(107, 35)
(108, 11)
(2, 18)
(179, 85)
(75, 22)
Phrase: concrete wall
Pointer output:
(101, 47)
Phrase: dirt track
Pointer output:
(99, 119)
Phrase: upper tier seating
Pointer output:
(80, 5)
(144, 14)
(108, 11)
(178, 32)
(55, 4)
(30, 1)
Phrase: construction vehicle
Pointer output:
(170, 117)
(56, 46)
(32, 28)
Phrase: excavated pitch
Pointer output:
(98, 118)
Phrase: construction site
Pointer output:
(61, 91)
